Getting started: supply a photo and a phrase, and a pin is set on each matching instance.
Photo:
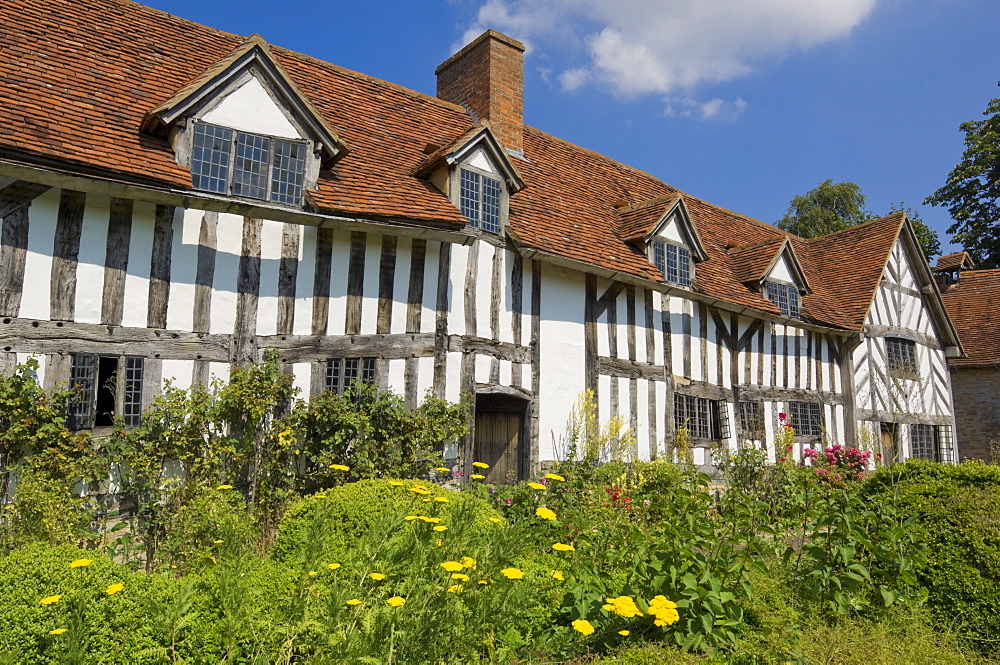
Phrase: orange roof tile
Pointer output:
(956, 261)
(972, 305)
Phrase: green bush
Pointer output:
(212, 522)
(352, 511)
(958, 508)
(113, 628)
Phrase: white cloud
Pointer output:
(639, 47)
(713, 109)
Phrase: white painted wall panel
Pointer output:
(183, 269)
(339, 267)
(22, 358)
(251, 109)
(507, 306)
(453, 381)
(270, 265)
(90, 262)
(396, 376)
(456, 296)
(227, 268)
(505, 373)
(219, 371)
(42, 215)
(432, 260)
(178, 372)
(369, 304)
(401, 284)
(302, 373)
(484, 288)
(140, 252)
(425, 376)
(483, 368)
(304, 282)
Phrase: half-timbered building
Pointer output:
(176, 199)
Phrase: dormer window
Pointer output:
(786, 297)
(480, 197)
(673, 261)
(254, 166)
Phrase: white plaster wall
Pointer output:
(642, 391)
(396, 376)
(302, 373)
(505, 373)
(481, 160)
(270, 265)
(425, 376)
(42, 215)
(453, 377)
(456, 289)
(183, 269)
(219, 371)
(369, 303)
(140, 252)
(40, 372)
(781, 271)
(484, 288)
(671, 231)
(432, 259)
(304, 282)
(90, 261)
(227, 269)
(401, 284)
(178, 372)
(483, 364)
(251, 109)
(562, 356)
(340, 267)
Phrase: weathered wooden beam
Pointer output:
(775, 394)
(321, 281)
(630, 369)
(314, 348)
(288, 272)
(355, 282)
(414, 310)
(159, 268)
(441, 321)
(386, 284)
(489, 347)
(65, 255)
(590, 334)
(609, 296)
(244, 347)
(516, 307)
(18, 195)
(13, 254)
(471, 291)
(536, 363)
(205, 272)
(496, 291)
(116, 261)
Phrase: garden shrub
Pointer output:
(958, 517)
(353, 510)
(116, 627)
(207, 524)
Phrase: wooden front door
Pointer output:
(498, 438)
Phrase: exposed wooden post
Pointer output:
(65, 255)
(116, 261)
(159, 267)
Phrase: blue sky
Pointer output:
(745, 103)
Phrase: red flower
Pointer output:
(782, 415)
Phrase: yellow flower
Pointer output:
(333, 566)
(623, 633)
(442, 469)
(420, 490)
(512, 573)
(468, 562)
(48, 600)
(559, 576)
(340, 467)
(413, 517)
(545, 513)
(57, 631)
(80, 563)
(320, 496)
(431, 520)
(354, 601)
(536, 486)
(583, 626)
(608, 607)
(452, 566)
(217, 542)
(378, 577)
(483, 582)
(395, 483)
(664, 610)
(224, 487)
(495, 520)
(113, 589)
(624, 606)
(426, 500)
(554, 476)
(313, 573)
(396, 601)
(563, 547)
(481, 465)
(455, 588)
(441, 499)
(460, 576)
(440, 528)
(477, 476)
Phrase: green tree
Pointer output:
(972, 192)
(832, 207)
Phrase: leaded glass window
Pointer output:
(479, 200)
(342, 372)
(105, 387)
(901, 355)
(805, 418)
(703, 418)
(289, 171)
(932, 442)
(673, 262)
(752, 419)
(786, 297)
(210, 155)
(251, 167)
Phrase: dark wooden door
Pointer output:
(499, 424)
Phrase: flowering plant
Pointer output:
(838, 464)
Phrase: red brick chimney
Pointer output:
(487, 77)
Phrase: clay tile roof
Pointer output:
(751, 262)
(956, 261)
(637, 220)
(78, 76)
(972, 305)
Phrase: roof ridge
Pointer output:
(756, 245)
(870, 222)
(648, 203)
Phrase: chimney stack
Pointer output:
(487, 77)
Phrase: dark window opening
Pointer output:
(806, 418)
(703, 418)
(786, 297)
(103, 387)
(901, 355)
(673, 262)
(107, 386)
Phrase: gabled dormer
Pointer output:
(477, 174)
(663, 230)
(244, 129)
(773, 269)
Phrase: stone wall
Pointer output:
(977, 410)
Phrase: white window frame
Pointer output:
(476, 221)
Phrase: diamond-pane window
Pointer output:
(210, 155)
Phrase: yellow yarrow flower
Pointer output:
(113, 589)
(80, 563)
(623, 633)
(340, 467)
(354, 601)
(48, 600)
(545, 513)
(452, 566)
(554, 476)
(396, 601)
(460, 576)
(477, 476)
(664, 610)
(455, 588)
(536, 486)
(481, 465)
(624, 606)
(333, 566)
(412, 517)
(420, 490)
(440, 528)
(217, 542)
(313, 573)
(512, 573)
(441, 499)
(557, 575)
(563, 547)
(224, 487)
(378, 577)
(395, 483)
(495, 520)
(483, 582)
(442, 469)
(58, 631)
(468, 562)
(583, 626)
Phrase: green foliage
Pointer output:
(101, 628)
(956, 508)
(46, 509)
(352, 511)
(828, 208)
(972, 191)
(590, 441)
(209, 524)
(926, 236)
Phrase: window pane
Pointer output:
(351, 370)
(902, 354)
(289, 172)
(752, 419)
(683, 266)
(660, 257)
(805, 417)
(250, 172)
(210, 158)
(469, 196)
(671, 273)
(922, 442)
(132, 403)
(786, 297)
(81, 382)
(333, 374)
(946, 450)
(491, 205)
(368, 370)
